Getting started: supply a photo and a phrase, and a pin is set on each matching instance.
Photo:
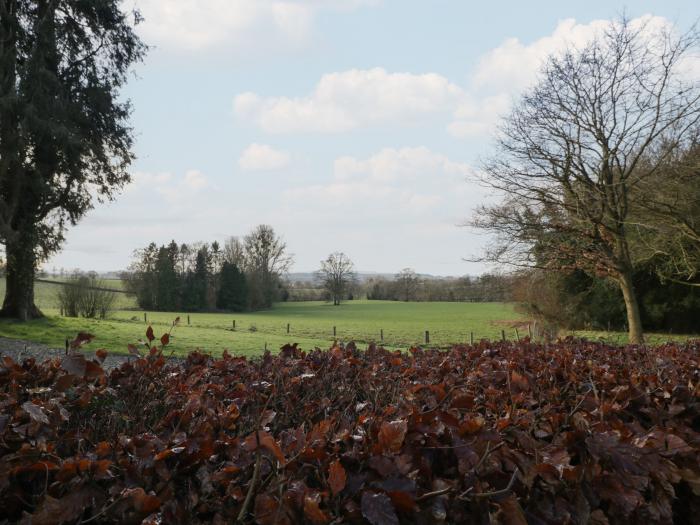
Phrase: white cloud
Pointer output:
(392, 180)
(261, 157)
(351, 99)
(198, 24)
(397, 165)
(505, 71)
(172, 189)
(195, 180)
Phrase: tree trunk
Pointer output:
(19, 281)
(634, 320)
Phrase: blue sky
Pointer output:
(351, 125)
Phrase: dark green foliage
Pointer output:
(168, 285)
(233, 289)
(579, 301)
(64, 134)
(189, 278)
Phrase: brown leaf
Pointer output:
(392, 434)
(149, 333)
(93, 370)
(519, 382)
(165, 339)
(143, 503)
(81, 339)
(35, 412)
(267, 442)
(463, 401)
(511, 512)
(336, 477)
(74, 364)
(54, 511)
(378, 510)
(268, 512)
(312, 510)
(64, 382)
(471, 425)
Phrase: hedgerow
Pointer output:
(573, 432)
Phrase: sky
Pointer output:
(348, 125)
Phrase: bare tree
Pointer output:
(407, 282)
(601, 120)
(337, 275)
(234, 252)
(266, 261)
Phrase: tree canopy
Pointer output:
(601, 122)
(65, 140)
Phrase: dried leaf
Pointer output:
(74, 364)
(336, 477)
(392, 434)
(378, 510)
(35, 412)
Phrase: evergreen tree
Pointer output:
(196, 284)
(64, 135)
(167, 295)
(233, 288)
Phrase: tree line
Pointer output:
(409, 286)
(243, 274)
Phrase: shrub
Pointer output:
(86, 296)
(573, 432)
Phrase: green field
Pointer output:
(310, 324)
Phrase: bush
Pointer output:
(572, 432)
(86, 296)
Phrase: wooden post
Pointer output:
(471, 338)
(188, 319)
(503, 335)
(266, 346)
(529, 330)
(427, 337)
(234, 324)
(334, 332)
(145, 318)
(517, 335)
(381, 335)
(287, 327)
(67, 345)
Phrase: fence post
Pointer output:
(427, 337)
(266, 346)
(145, 318)
(503, 335)
(471, 338)
(67, 345)
(517, 335)
(381, 334)
(334, 332)
(234, 324)
(188, 319)
(529, 330)
(287, 327)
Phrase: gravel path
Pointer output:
(18, 349)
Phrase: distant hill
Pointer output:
(308, 277)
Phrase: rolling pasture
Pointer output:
(311, 324)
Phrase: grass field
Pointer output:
(311, 325)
